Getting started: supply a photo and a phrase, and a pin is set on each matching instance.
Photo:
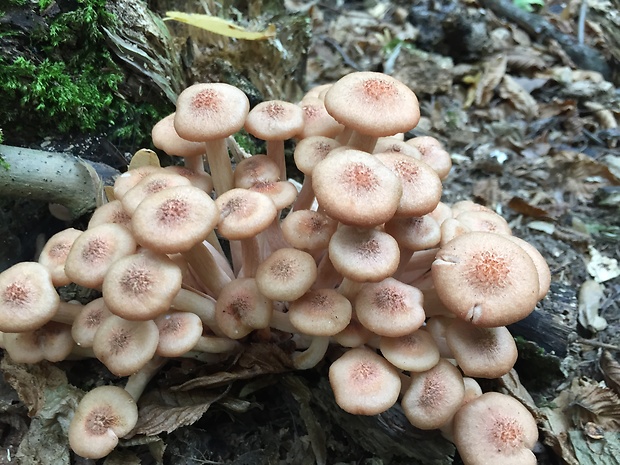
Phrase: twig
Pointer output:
(599, 344)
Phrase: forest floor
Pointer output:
(533, 134)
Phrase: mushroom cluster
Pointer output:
(364, 255)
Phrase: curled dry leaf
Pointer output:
(255, 360)
(511, 90)
(165, 410)
(494, 71)
(593, 403)
(611, 371)
(590, 297)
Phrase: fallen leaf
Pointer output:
(611, 371)
(590, 298)
(601, 267)
(220, 26)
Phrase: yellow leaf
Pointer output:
(220, 26)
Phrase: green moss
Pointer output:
(62, 78)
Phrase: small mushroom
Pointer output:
(104, 414)
(363, 382)
(495, 428)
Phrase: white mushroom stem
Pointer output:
(361, 141)
(220, 166)
(216, 345)
(281, 322)
(137, 382)
(349, 288)
(275, 151)
(195, 163)
(201, 305)
(305, 198)
(207, 268)
(310, 357)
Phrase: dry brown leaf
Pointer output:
(611, 371)
(492, 74)
(523, 207)
(165, 410)
(524, 59)
(593, 403)
(510, 89)
(255, 360)
(31, 381)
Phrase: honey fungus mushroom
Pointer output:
(486, 279)
(495, 428)
(104, 414)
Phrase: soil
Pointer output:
(533, 134)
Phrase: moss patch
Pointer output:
(59, 77)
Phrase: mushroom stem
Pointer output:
(305, 198)
(206, 268)
(137, 382)
(349, 288)
(362, 142)
(215, 345)
(201, 305)
(275, 151)
(220, 166)
(195, 164)
(310, 357)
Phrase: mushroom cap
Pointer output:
(317, 121)
(28, 298)
(179, 332)
(433, 153)
(275, 120)
(395, 145)
(481, 352)
(281, 193)
(149, 185)
(199, 179)
(87, 322)
(286, 274)
(141, 286)
(166, 138)
(130, 178)
(241, 308)
(495, 428)
(175, 219)
(311, 150)
(355, 188)
(363, 382)
(485, 221)
(52, 342)
(363, 255)
(320, 312)
(390, 308)
(210, 111)
(244, 213)
(373, 103)
(486, 279)
(308, 229)
(54, 254)
(95, 250)
(110, 212)
(433, 396)
(257, 168)
(544, 273)
(125, 346)
(421, 185)
(103, 415)
(416, 351)
(414, 233)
